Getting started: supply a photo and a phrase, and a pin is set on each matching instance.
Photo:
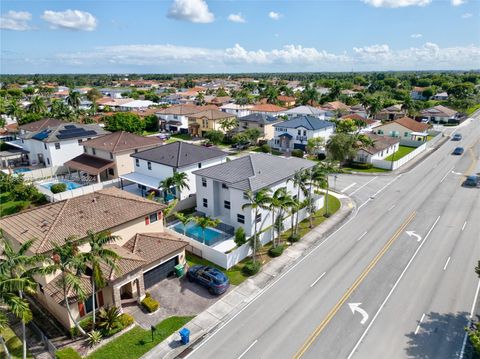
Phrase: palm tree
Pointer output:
(321, 172)
(276, 203)
(166, 185)
(256, 201)
(200, 99)
(204, 222)
(14, 109)
(374, 106)
(17, 269)
(74, 99)
(180, 180)
(228, 125)
(97, 257)
(299, 181)
(71, 263)
(184, 219)
(37, 105)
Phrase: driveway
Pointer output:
(177, 297)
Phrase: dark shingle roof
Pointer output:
(308, 122)
(255, 171)
(179, 154)
(259, 118)
(122, 141)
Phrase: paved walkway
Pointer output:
(231, 303)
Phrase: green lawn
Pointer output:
(402, 152)
(138, 341)
(182, 136)
(14, 344)
(472, 109)
(366, 170)
(234, 274)
(7, 206)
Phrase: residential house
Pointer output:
(406, 129)
(366, 124)
(286, 101)
(335, 109)
(201, 122)
(221, 189)
(382, 147)
(306, 111)
(148, 254)
(55, 143)
(348, 93)
(441, 96)
(359, 110)
(264, 123)
(391, 113)
(268, 109)
(235, 109)
(417, 93)
(136, 105)
(295, 132)
(439, 114)
(154, 165)
(175, 118)
(108, 156)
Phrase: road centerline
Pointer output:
(249, 347)
(446, 263)
(316, 280)
(363, 235)
(464, 225)
(419, 323)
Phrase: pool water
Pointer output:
(194, 231)
(22, 170)
(70, 185)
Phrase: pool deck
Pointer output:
(222, 246)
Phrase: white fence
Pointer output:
(393, 165)
(44, 173)
(54, 197)
(228, 260)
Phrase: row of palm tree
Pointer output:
(18, 268)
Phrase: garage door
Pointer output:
(156, 274)
(299, 146)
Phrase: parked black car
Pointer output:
(457, 137)
(211, 278)
(458, 151)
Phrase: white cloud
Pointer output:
(236, 18)
(416, 36)
(70, 19)
(458, 2)
(467, 15)
(274, 15)
(191, 10)
(396, 3)
(15, 20)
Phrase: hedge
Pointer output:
(276, 251)
(251, 268)
(126, 320)
(58, 187)
(67, 353)
(297, 153)
(361, 165)
(150, 304)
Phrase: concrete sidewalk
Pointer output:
(229, 305)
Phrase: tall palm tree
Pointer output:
(72, 264)
(17, 269)
(276, 203)
(166, 185)
(184, 219)
(37, 105)
(180, 181)
(228, 125)
(299, 181)
(74, 99)
(14, 109)
(256, 201)
(97, 257)
(321, 172)
(204, 222)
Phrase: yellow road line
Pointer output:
(350, 290)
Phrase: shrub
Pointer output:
(108, 319)
(361, 165)
(276, 251)
(240, 236)
(251, 268)
(125, 320)
(94, 338)
(67, 353)
(294, 238)
(150, 304)
(265, 148)
(297, 153)
(86, 324)
(58, 187)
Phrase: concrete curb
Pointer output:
(230, 304)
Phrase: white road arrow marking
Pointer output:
(355, 307)
(412, 233)
(457, 173)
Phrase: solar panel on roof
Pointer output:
(73, 134)
(70, 126)
(42, 135)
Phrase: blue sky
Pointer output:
(238, 35)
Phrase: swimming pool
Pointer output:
(22, 170)
(212, 236)
(70, 185)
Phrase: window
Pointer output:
(240, 218)
(406, 134)
(80, 141)
(205, 202)
(299, 132)
(380, 132)
(153, 217)
(245, 195)
(111, 155)
(224, 186)
(48, 161)
(258, 219)
(93, 151)
(204, 182)
(149, 165)
(45, 145)
(304, 132)
(137, 162)
(111, 172)
(226, 204)
(199, 165)
(84, 150)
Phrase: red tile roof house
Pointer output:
(148, 254)
(409, 131)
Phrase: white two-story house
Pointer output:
(222, 189)
(156, 164)
(175, 118)
(55, 144)
(295, 132)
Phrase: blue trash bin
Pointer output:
(184, 335)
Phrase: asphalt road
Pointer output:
(372, 290)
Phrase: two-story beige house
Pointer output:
(201, 122)
(264, 123)
(108, 157)
(148, 254)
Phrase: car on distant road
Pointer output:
(457, 137)
(472, 181)
(209, 277)
(458, 151)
